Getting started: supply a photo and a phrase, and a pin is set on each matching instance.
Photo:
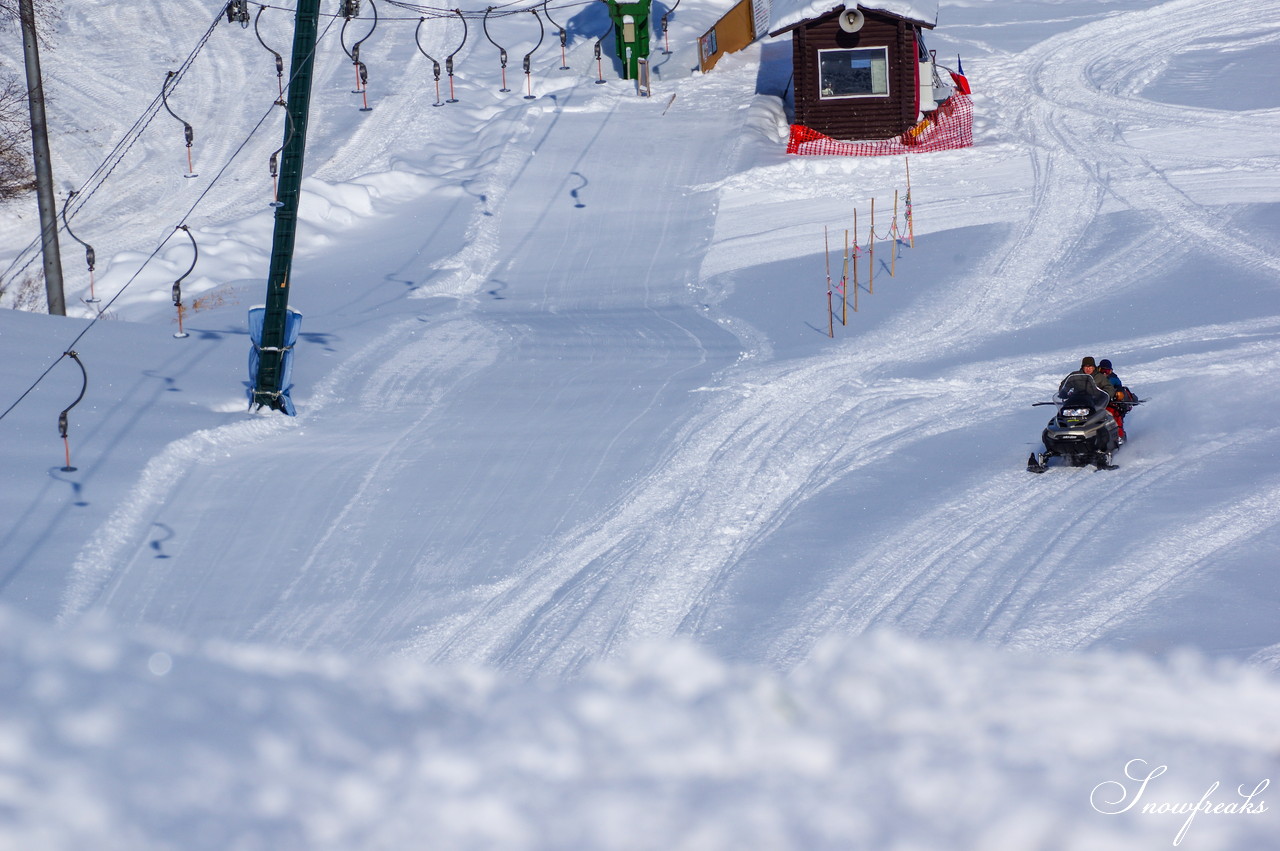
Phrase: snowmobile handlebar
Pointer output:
(1132, 402)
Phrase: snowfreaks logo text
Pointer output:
(1112, 797)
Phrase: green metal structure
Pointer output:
(267, 388)
(631, 34)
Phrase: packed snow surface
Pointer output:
(597, 527)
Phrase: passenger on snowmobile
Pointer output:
(1104, 367)
(1119, 397)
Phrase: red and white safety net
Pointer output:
(949, 127)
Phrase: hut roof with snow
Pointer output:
(784, 14)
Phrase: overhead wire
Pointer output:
(113, 159)
(84, 193)
(181, 226)
(109, 163)
(91, 185)
(498, 10)
(421, 10)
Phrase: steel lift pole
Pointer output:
(267, 390)
(43, 169)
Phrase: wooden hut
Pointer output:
(861, 71)
(739, 27)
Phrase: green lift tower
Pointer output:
(275, 327)
(631, 33)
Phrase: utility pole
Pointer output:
(273, 347)
(44, 173)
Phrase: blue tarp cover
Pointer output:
(292, 322)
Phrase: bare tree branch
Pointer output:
(48, 13)
(16, 176)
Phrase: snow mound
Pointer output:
(112, 740)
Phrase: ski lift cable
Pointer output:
(512, 8)
(499, 11)
(147, 261)
(27, 256)
(98, 177)
(151, 112)
(118, 153)
(113, 159)
(490, 12)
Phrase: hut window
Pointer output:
(853, 73)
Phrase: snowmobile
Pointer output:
(1082, 432)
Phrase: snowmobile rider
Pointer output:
(1088, 367)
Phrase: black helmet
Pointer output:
(1104, 364)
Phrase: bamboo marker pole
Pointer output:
(826, 253)
(911, 225)
(893, 238)
(855, 259)
(871, 250)
(844, 283)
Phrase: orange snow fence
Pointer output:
(947, 128)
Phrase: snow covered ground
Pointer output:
(588, 534)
